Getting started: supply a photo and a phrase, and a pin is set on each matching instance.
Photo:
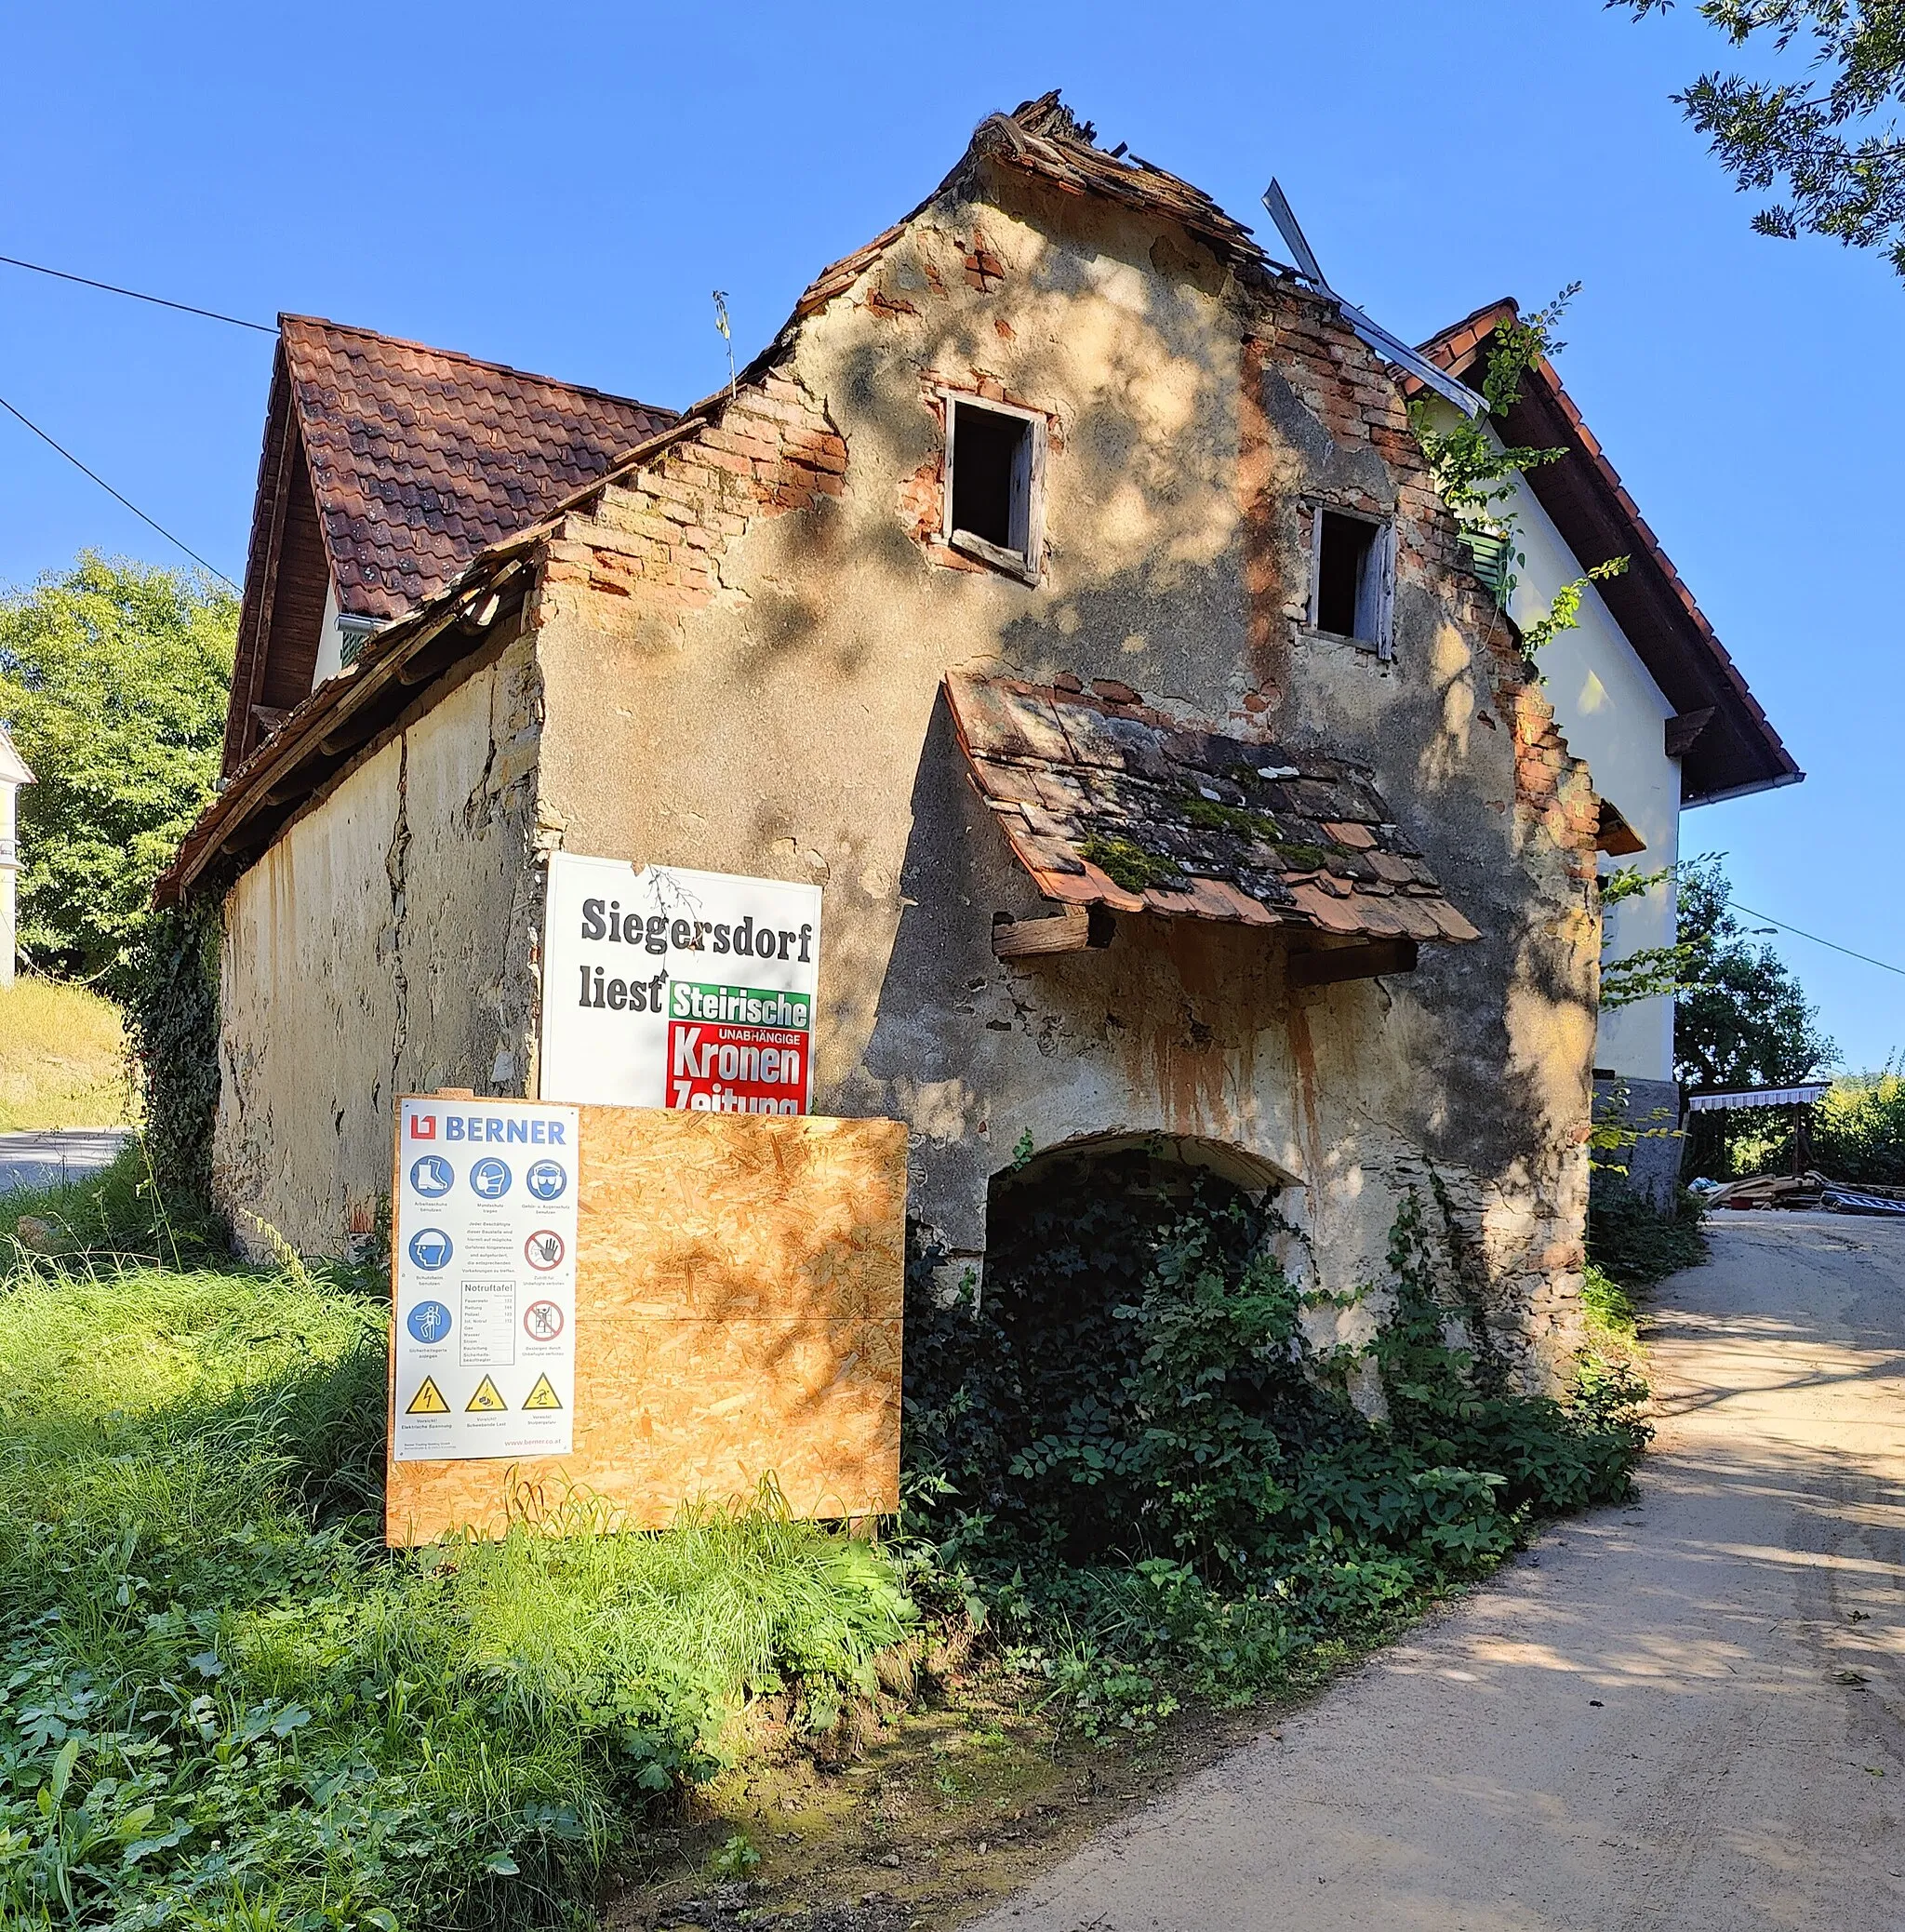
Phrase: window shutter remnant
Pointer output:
(1353, 577)
(995, 482)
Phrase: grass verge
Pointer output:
(226, 1705)
(62, 1058)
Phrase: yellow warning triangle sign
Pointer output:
(486, 1400)
(428, 1400)
(543, 1394)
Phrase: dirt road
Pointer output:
(1685, 1714)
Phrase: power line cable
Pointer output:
(158, 301)
(1883, 965)
(116, 496)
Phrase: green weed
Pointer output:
(222, 1703)
(1607, 1307)
(1133, 1456)
(1129, 864)
(1634, 1245)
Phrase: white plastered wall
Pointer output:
(330, 642)
(1613, 715)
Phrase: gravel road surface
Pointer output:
(1688, 1714)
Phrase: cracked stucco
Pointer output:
(382, 945)
(792, 726)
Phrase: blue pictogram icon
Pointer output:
(547, 1179)
(490, 1179)
(432, 1177)
(428, 1321)
(431, 1248)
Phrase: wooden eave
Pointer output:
(1736, 750)
(321, 736)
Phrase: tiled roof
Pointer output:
(1106, 801)
(1735, 751)
(420, 457)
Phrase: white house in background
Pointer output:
(13, 775)
(1642, 689)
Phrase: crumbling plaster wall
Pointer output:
(743, 647)
(382, 945)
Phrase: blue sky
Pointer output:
(561, 187)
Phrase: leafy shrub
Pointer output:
(221, 1702)
(1134, 1454)
(1635, 1244)
(172, 1008)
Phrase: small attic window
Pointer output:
(1350, 577)
(994, 473)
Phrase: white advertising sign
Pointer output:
(668, 988)
(485, 1263)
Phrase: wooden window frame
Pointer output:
(1382, 561)
(1027, 565)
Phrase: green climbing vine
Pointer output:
(1476, 473)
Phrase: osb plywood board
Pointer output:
(739, 1289)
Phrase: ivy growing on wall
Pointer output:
(173, 1015)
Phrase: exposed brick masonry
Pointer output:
(664, 529)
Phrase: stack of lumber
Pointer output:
(1811, 1189)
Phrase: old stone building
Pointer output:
(1063, 591)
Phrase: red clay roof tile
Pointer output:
(1187, 815)
(420, 457)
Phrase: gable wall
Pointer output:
(382, 945)
(742, 652)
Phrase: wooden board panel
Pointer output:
(739, 1288)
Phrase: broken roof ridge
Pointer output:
(474, 362)
(1076, 166)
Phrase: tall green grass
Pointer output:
(223, 1704)
(62, 1058)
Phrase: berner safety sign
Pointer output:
(486, 1279)
(671, 988)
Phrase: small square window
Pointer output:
(995, 464)
(1350, 577)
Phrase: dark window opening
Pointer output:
(1345, 565)
(991, 478)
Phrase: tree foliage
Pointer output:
(1741, 1019)
(1817, 138)
(112, 682)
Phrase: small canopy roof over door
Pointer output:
(1108, 802)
